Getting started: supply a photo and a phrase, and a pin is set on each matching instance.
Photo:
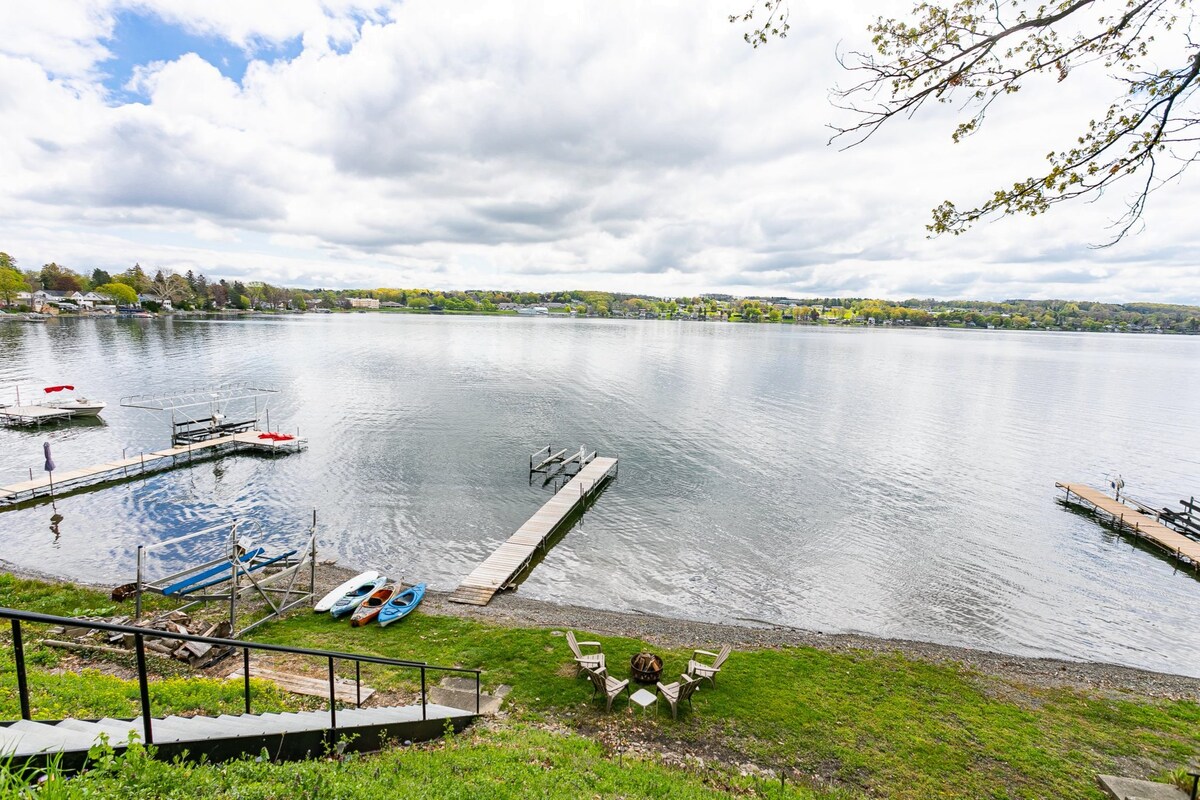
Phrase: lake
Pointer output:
(884, 481)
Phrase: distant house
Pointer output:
(43, 300)
(364, 302)
(89, 300)
(163, 302)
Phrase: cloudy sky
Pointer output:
(619, 145)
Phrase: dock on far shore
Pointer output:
(1140, 525)
(509, 560)
(71, 480)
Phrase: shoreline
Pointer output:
(509, 609)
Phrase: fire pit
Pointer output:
(646, 668)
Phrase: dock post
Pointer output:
(233, 591)
(137, 601)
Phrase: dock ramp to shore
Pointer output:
(1135, 522)
(510, 559)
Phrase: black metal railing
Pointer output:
(139, 635)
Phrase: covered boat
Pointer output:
(78, 406)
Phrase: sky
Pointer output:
(619, 146)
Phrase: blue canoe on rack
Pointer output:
(222, 572)
(401, 604)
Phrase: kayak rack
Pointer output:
(257, 586)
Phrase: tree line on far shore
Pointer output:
(191, 291)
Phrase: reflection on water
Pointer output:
(893, 482)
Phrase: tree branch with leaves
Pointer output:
(974, 53)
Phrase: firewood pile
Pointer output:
(196, 654)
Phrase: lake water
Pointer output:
(891, 482)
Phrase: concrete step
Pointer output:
(293, 723)
(27, 738)
(119, 730)
(38, 737)
(197, 727)
(116, 731)
(460, 693)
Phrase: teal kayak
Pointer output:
(401, 604)
(351, 599)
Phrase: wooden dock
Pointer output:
(510, 559)
(72, 480)
(31, 415)
(1135, 522)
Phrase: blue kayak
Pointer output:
(351, 599)
(401, 604)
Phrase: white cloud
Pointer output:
(516, 145)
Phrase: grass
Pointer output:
(877, 722)
(518, 762)
(58, 689)
(856, 724)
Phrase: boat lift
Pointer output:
(243, 574)
(201, 413)
(554, 465)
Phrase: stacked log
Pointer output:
(195, 654)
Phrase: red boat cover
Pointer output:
(50, 389)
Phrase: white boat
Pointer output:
(78, 406)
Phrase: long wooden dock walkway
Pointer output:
(1140, 525)
(71, 480)
(512, 557)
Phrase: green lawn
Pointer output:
(878, 722)
(867, 724)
